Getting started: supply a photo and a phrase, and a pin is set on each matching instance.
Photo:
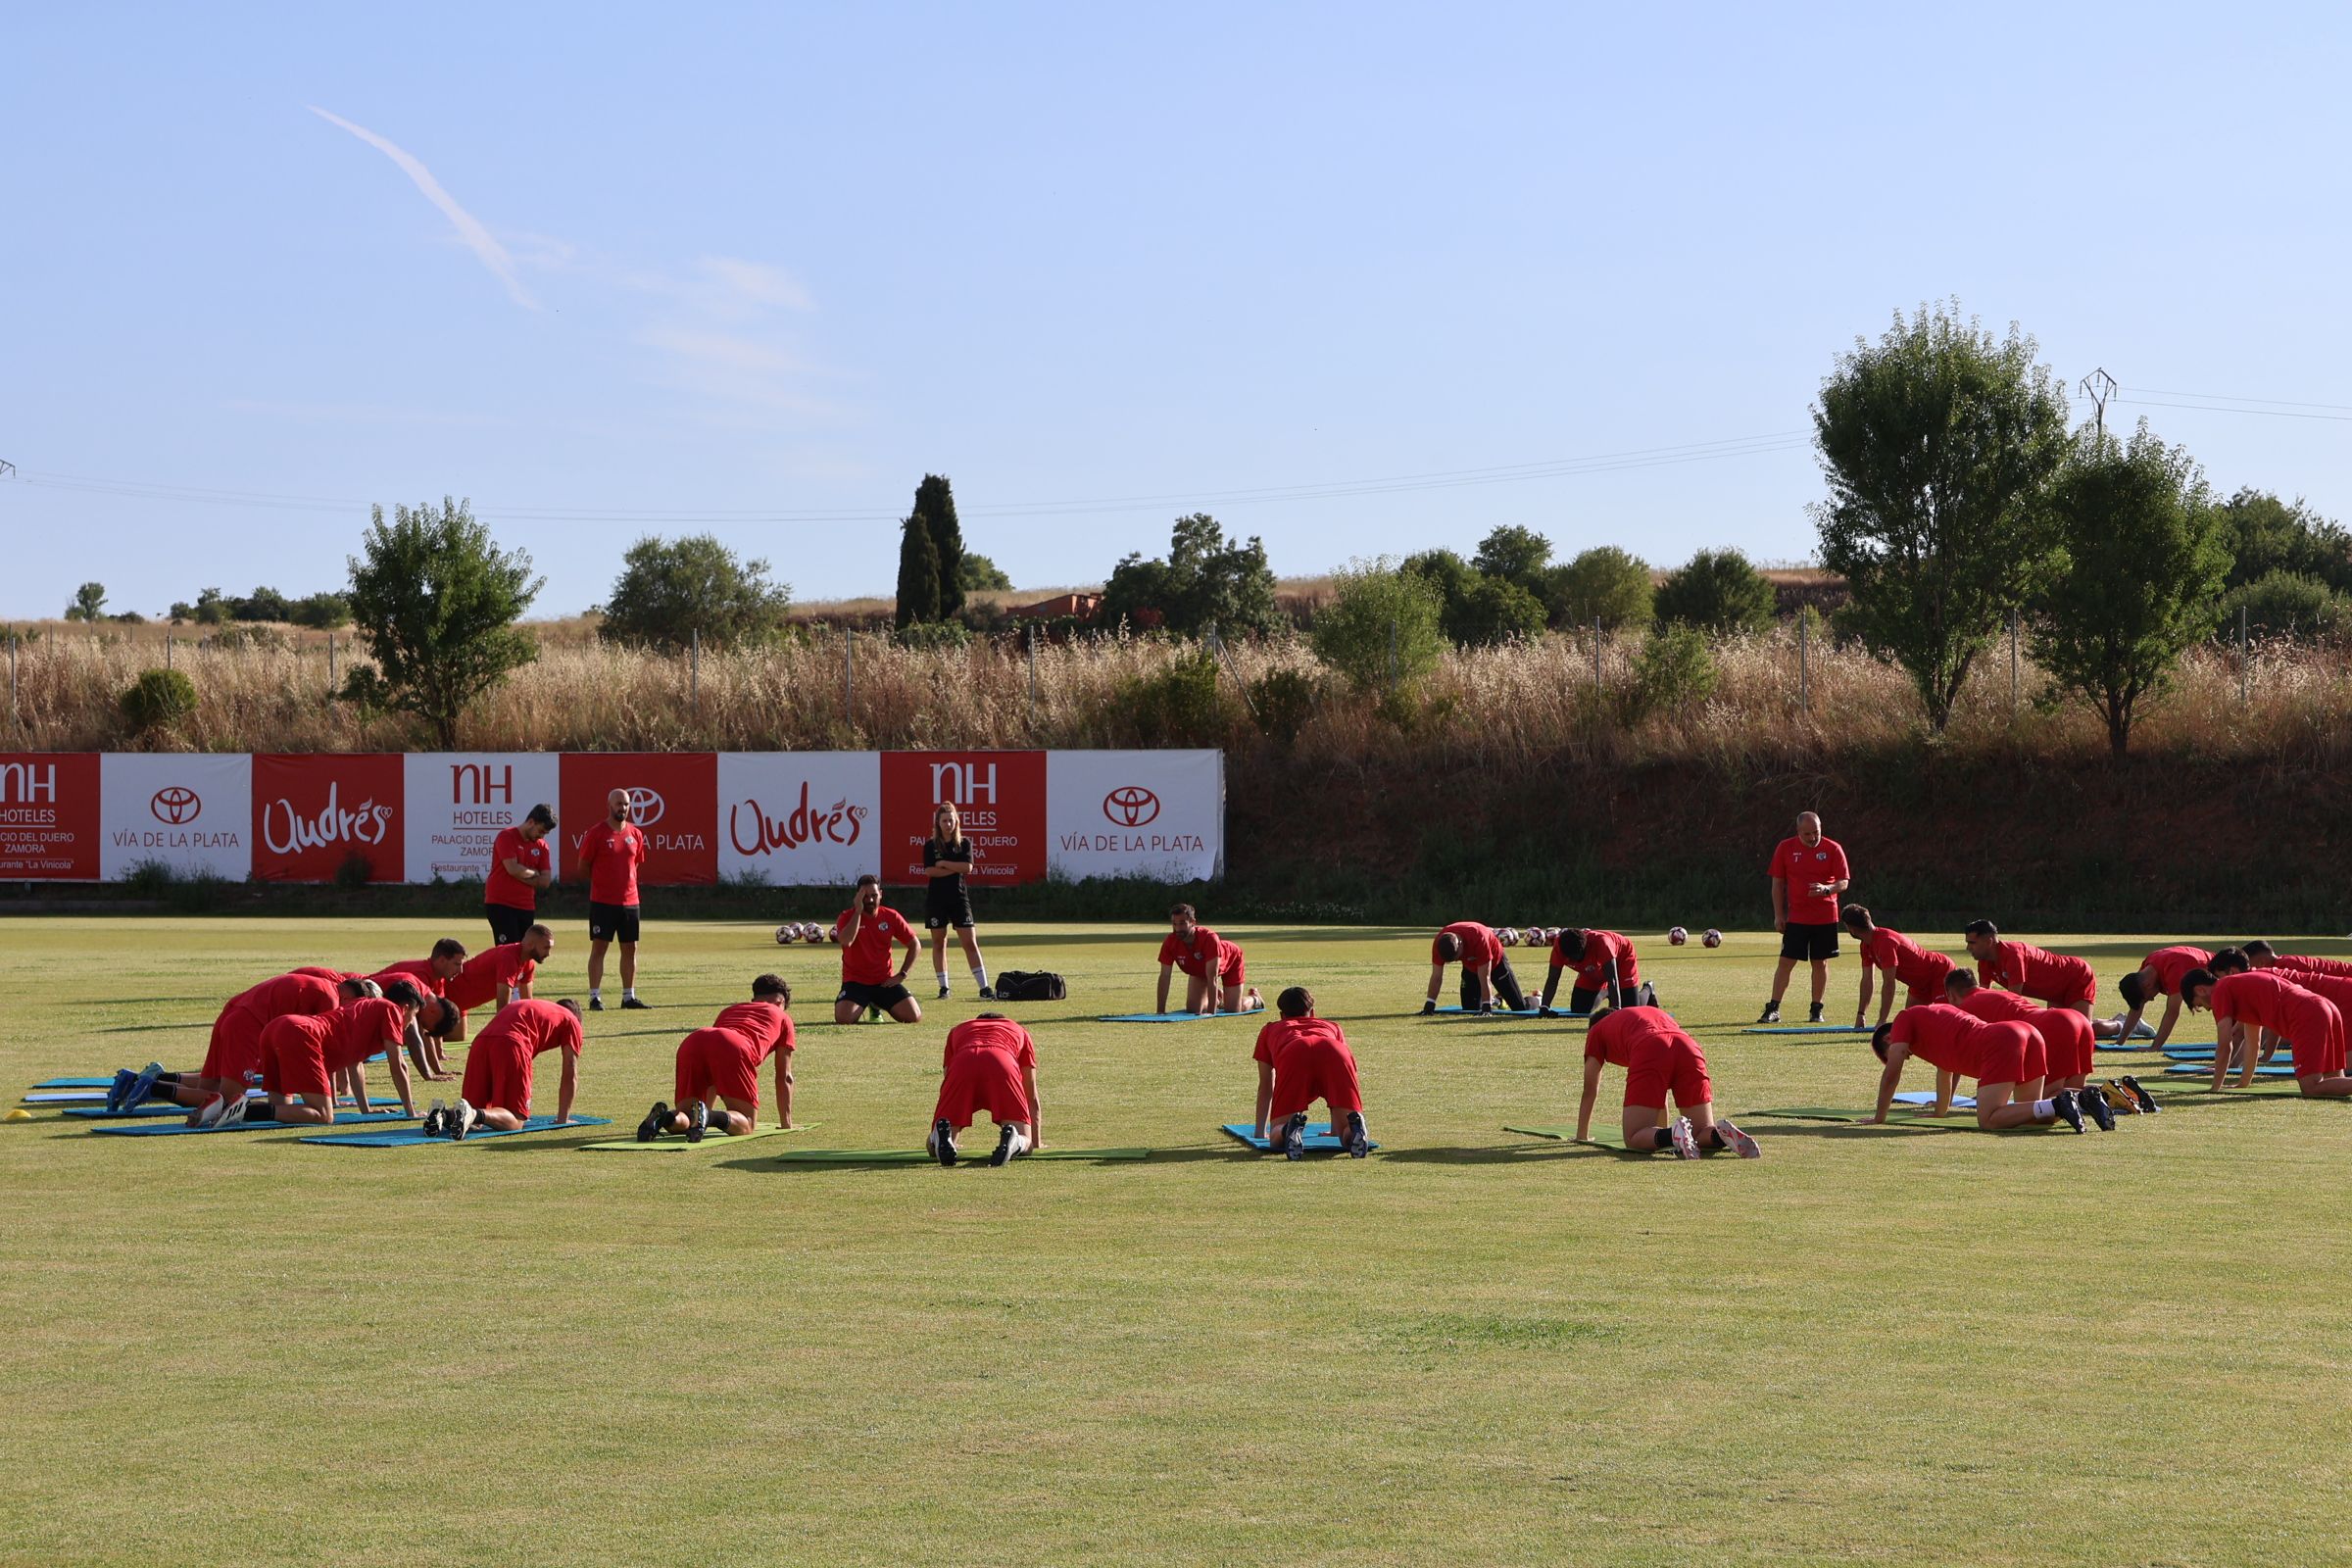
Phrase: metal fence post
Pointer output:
(2242, 682)
(2013, 619)
(849, 678)
(693, 670)
(166, 649)
(1804, 695)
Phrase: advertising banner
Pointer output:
(192, 812)
(801, 819)
(1157, 815)
(315, 814)
(49, 815)
(1002, 795)
(675, 799)
(458, 802)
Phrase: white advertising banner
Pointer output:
(799, 819)
(191, 811)
(459, 802)
(1158, 814)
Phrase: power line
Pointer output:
(2219, 408)
(2224, 396)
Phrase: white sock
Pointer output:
(628, 990)
(2044, 1107)
(979, 976)
(595, 993)
(942, 978)
(1020, 1143)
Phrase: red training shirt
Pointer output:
(1205, 954)
(476, 985)
(1616, 1037)
(1004, 1034)
(2171, 964)
(866, 962)
(1800, 866)
(2034, 972)
(1941, 1035)
(765, 1026)
(531, 1027)
(2312, 963)
(2267, 999)
(418, 972)
(1481, 947)
(302, 993)
(1592, 970)
(1283, 1034)
(1913, 964)
(611, 857)
(501, 886)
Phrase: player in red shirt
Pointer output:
(2260, 955)
(494, 977)
(1807, 874)
(2005, 1059)
(1302, 1058)
(1214, 969)
(1607, 968)
(2067, 1045)
(2256, 1000)
(303, 1056)
(610, 855)
(521, 867)
(432, 975)
(865, 931)
(989, 1064)
(1658, 1058)
(1485, 968)
(721, 1064)
(236, 1048)
(1888, 952)
(497, 1092)
(2157, 975)
(2029, 971)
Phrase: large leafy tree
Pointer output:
(670, 590)
(2264, 534)
(1512, 551)
(1605, 584)
(935, 504)
(435, 602)
(1207, 580)
(1937, 442)
(1717, 590)
(918, 574)
(89, 602)
(1381, 630)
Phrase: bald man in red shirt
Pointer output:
(2252, 1000)
(1302, 1058)
(720, 1065)
(1485, 968)
(2005, 1059)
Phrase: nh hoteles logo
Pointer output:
(1130, 806)
(176, 805)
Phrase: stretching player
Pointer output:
(1888, 953)
(2005, 1059)
(491, 978)
(303, 1056)
(2031, 971)
(2157, 975)
(989, 1064)
(235, 1051)
(866, 930)
(497, 1092)
(1485, 968)
(1658, 1058)
(2065, 1044)
(2262, 955)
(1214, 969)
(722, 1063)
(1302, 1058)
(1606, 968)
(2245, 1004)
(430, 975)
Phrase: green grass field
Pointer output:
(1919, 1345)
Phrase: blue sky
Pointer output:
(755, 270)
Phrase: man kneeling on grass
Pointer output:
(1658, 1058)
(2246, 1003)
(1302, 1058)
(1485, 970)
(2005, 1059)
(234, 1056)
(722, 1063)
(2066, 1047)
(497, 1092)
(989, 1064)
(302, 1058)
(1606, 968)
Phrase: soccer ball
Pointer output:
(1713, 938)
(1677, 937)
(1547, 935)
(787, 934)
(824, 933)
(1508, 936)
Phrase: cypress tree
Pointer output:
(918, 574)
(935, 504)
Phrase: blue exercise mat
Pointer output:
(175, 1128)
(1926, 1097)
(1318, 1139)
(75, 1083)
(1498, 1013)
(2202, 1053)
(2190, 1069)
(1803, 1029)
(168, 1108)
(1173, 1017)
(410, 1137)
(64, 1097)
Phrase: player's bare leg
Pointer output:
(1996, 1109)
(314, 1111)
(596, 962)
(2330, 1085)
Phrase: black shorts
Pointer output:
(1809, 942)
(887, 997)
(955, 910)
(612, 922)
(507, 923)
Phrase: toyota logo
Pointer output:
(645, 807)
(176, 805)
(1130, 806)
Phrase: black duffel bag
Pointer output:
(1025, 985)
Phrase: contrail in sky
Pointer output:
(469, 228)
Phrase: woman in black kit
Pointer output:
(947, 861)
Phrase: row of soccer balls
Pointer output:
(792, 931)
(1543, 936)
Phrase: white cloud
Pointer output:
(471, 232)
(758, 283)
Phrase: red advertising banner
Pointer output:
(314, 814)
(49, 817)
(1002, 795)
(674, 797)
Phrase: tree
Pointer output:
(935, 504)
(1442, 571)
(1208, 581)
(263, 604)
(1604, 584)
(979, 572)
(89, 602)
(1938, 442)
(669, 590)
(322, 610)
(2286, 603)
(211, 609)
(2140, 575)
(1380, 632)
(1514, 553)
(1718, 591)
(2264, 534)
(1493, 610)
(436, 601)
(918, 574)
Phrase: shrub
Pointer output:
(1605, 584)
(1380, 632)
(932, 635)
(1282, 701)
(236, 637)
(1719, 591)
(2286, 603)
(158, 700)
(1175, 704)
(1674, 669)
(356, 871)
(1494, 609)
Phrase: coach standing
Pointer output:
(1808, 874)
(610, 855)
(519, 867)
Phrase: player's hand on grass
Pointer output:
(1861, 1020)
(1428, 1008)
(1547, 1012)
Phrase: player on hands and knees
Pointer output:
(989, 1064)
(2005, 1059)
(1302, 1058)
(1808, 876)
(521, 867)
(1659, 1059)
(1606, 966)
(948, 857)
(865, 931)
(2260, 955)
(430, 975)
(718, 1085)
(234, 1055)
(2157, 975)
(2031, 971)
(2252, 1000)
(1887, 951)
(302, 1058)
(2066, 1043)
(1215, 970)
(492, 977)
(1485, 968)
(499, 1068)
(611, 853)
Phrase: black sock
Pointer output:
(260, 1110)
(1715, 1139)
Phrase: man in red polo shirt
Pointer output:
(989, 1064)
(865, 931)
(1302, 1058)
(1485, 968)
(1607, 970)
(2029, 971)
(2005, 1059)
(2157, 975)
(2066, 1043)
(2246, 1003)
(521, 867)
(1659, 1059)
(302, 1058)
(235, 1048)
(611, 856)
(1214, 969)
(1807, 876)
(497, 1092)
(721, 1064)
(1888, 952)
